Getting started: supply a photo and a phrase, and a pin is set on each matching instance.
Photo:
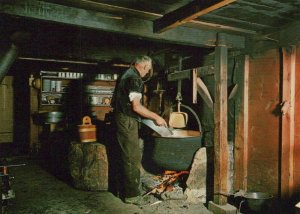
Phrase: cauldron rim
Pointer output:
(177, 132)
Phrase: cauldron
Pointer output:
(177, 151)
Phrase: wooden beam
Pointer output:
(289, 34)
(246, 121)
(241, 133)
(220, 130)
(185, 74)
(249, 24)
(187, 13)
(204, 93)
(109, 8)
(180, 75)
(194, 78)
(292, 122)
(206, 70)
(46, 11)
(288, 126)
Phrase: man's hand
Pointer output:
(144, 112)
(161, 122)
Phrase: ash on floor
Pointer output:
(38, 192)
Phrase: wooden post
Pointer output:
(194, 75)
(220, 121)
(34, 144)
(245, 122)
(288, 128)
(241, 133)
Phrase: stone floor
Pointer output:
(38, 191)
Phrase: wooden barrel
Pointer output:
(87, 131)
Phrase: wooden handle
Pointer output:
(86, 120)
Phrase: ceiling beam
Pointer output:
(290, 34)
(239, 21)
(117, 24)
(109, 8)
(187, 13)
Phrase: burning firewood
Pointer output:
(167, 183)
(168, 172)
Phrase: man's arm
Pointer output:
(144, 112)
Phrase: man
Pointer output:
(128, 112)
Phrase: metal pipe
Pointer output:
(7, 59)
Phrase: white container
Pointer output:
(115, 76)
(94, 100)
(58, 86)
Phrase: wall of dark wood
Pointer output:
(264, 122)
(297, 128)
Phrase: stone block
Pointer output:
(196, 182)
(221, 209)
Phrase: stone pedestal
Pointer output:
(196, 182)
(88, 166)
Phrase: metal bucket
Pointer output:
(258, 201)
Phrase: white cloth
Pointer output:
(133, 95)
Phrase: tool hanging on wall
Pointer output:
(160, 92)
(178, 119)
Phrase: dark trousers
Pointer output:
(128, 139)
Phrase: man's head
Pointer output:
(143, 64)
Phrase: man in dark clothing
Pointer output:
(128, 112)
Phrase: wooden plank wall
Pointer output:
(264, 122)
(297, 127)
(241, 132)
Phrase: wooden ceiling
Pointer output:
(104, 29)
(234, 16)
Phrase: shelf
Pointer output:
(51, 104)
(99, 105)
(55, 92)
(76, 78)
(62, 78)
(98, 93)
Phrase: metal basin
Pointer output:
(258, 201)
(48, 117)
(53, 117)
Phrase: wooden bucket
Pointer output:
(87, 131)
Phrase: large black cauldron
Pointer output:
(177, 151)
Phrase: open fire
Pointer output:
(167, 182)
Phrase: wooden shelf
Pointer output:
(100, 89)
